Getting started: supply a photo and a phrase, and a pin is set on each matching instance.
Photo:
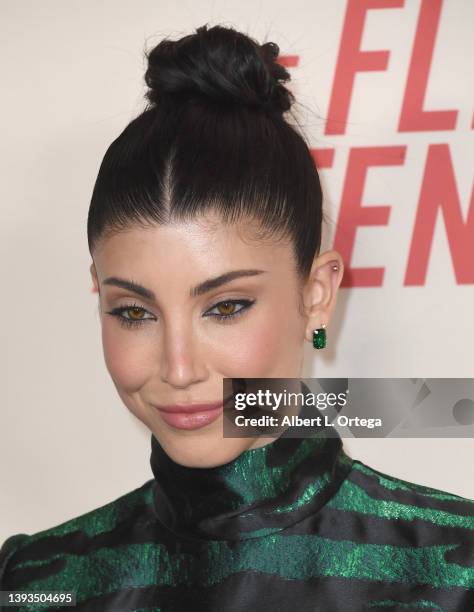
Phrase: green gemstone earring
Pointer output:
(319, 337)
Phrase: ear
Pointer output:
(95, 282)
(320, 290)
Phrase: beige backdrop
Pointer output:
(72, 77)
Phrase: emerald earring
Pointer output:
(319, 337)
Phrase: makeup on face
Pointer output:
(190, 416)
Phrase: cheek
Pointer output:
(127, 358)
(261, 344)
(268, 346)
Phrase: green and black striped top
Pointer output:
(293, 525)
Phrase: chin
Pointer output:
(202, 450)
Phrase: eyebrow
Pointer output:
(204, 287)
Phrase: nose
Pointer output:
(181, 360)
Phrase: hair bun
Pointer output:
(221, 65)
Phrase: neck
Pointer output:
(261, 491)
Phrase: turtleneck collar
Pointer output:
(261, 491)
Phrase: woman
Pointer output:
(205, 231)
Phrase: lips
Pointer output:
(190, 416)
(188, 408)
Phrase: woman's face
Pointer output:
(176, 346)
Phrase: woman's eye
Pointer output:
(228, 309)
(135, 315)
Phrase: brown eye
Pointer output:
(137, 313)
(131, 316)
(226, 311)
(226, 308)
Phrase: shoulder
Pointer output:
(375, 493)
(363, 473)
(75, 534)
(8, 548)
(426, 533)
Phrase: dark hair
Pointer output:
(212, 136)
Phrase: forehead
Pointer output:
(190, 244)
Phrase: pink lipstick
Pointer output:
(190, 416)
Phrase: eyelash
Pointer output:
(128, 323)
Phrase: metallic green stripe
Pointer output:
(424, 604)
(102, 519)
(296, 557)
(351, 497)
(394, 483)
